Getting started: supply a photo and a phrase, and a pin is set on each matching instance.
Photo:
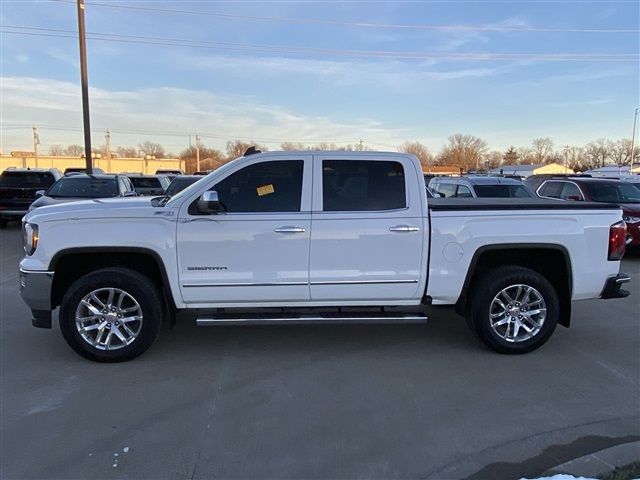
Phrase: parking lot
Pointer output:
(356, 401)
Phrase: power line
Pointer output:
(176, 134)
(282, 49)
(316, 21)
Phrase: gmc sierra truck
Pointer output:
(315, 237)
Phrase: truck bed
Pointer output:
(475, 204)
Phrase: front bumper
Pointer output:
(613, 286)
(35, 290)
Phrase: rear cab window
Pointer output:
(40, 180)
(363, 185)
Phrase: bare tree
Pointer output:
(74, 150)
(56, 150)
(419, 150)
(598, 152)
(152, 148)
(542, 149)
(526, 156)
(210, 158)
(127, 152)
(465, 151)
(621, 152)
(289, 146)
(493, 159)
(236, 148)
(574, 158)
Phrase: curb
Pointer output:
(598, 463)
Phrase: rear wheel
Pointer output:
(513, 309)
(111, 315)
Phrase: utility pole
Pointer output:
(107, 139)
(633, 136)
(197, 152)
(85, 87)
(566, 158)
(36, 142)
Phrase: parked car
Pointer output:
(94, 170)
(534, 181)
(367, 245)
(149, 185)
(602, 190)
(480, 187)
(81, 186)
(180, 183)
(18, 187)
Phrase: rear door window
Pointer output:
(447, 189)
(463, 192)
(551, 189)
(571, 190)
(361, 185)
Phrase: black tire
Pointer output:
(133, 283)
(488, 286)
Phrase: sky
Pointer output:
(323, 71)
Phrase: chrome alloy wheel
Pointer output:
(108, 318)
(517, 313)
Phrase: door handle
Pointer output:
(404, 228)
(289, 229)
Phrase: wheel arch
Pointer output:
(72, 263)
(553, 261)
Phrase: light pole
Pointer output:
(85, 87)
(633, 135)
(36, 142)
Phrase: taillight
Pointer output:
(617, 240)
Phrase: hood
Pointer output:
(128, 207)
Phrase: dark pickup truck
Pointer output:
(18, 187)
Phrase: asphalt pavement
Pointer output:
(352, 401)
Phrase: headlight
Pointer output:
(630, 219)
(30, 237)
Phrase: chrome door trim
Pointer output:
(362, 282)
(246, 284)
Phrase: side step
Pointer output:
(296, 318)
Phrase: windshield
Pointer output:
(502, 191)
(84, 187)
(613, 192)
(41, 180)
(178, 184)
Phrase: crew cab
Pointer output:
(315, 237)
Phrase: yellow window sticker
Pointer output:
(265, 190)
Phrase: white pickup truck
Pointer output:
(315, 237)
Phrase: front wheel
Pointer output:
(111, 315)
(513, 309)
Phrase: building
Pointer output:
(109, 165)
(613, 170)
(528, 170)
(434, 170)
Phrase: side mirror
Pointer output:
(209, 202)
(130, 194)
(40, 193)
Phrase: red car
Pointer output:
(604, 190)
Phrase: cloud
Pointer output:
(600, 101)
(168, 115)
(387, 74)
